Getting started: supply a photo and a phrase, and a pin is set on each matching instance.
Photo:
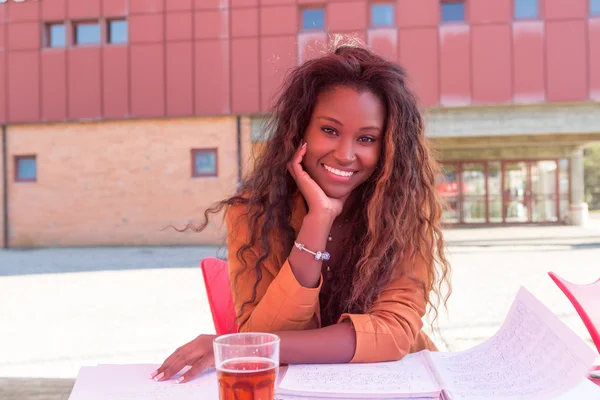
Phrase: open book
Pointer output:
(533, 356)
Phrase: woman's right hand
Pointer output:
(318, 202)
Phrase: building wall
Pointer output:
(202, 57)
(118, 183)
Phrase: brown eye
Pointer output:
(329, 131)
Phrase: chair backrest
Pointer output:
(218, 291)
(586, 300)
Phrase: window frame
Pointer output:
(536, 18)
(25, 157)
(213, 150)
(465, 12)
(76, 23)
(382, 3)
(314, 8)
(108, 31)
(46, 40)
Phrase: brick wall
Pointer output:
(119, 183)
(1, 195)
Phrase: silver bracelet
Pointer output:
(319, 255)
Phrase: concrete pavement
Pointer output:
(64, 308)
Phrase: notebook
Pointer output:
(532, 356)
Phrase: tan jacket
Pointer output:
(388, 331)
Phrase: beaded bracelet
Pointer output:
(319, 255)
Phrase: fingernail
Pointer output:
(159, 376)
(304, 145)
(179, 380)
(152, 375)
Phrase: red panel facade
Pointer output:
(54, 85)
(529, 77)
(211, 76)
(85, 77)
(180, 94)
(23, 12)
(566, 60)
(490, 11)
(277, 56)
(417, 13)
(279, 20)
(244, 22)
(54, 10)
(3, 94)
(455, 65)
(115, 82)
(419, 56)
(24, 36)
(347, 16)
(384, 42)
(179, 26)
(115, 8)
(593, 46)
(491, 69)
(78, 9)
(209, 57)
(245, 72)
(560, 9)
(147, 80)
(24, 86)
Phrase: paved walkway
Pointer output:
(64, 308)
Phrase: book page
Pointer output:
(407, 378)
(533, 356)
(129, 382)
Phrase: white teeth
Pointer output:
(338, 172)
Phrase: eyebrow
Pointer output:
(364, 128)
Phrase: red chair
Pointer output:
(218, 291)
(586, 300)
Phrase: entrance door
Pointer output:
(530, 191)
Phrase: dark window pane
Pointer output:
(26, 168)
(595, 7)
(57, 35)
(117, 31)
(87, 33)
(382, 15)
(205, 163)
(313, 19)
(453, 12)
(526, 9)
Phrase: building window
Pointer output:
(453, 11)
(25, 169)
(117, 31)
(594, 7)
(55, 35)
(382, 14)
(313, 19)
(204, 162)
(526, 9)
(87, 33)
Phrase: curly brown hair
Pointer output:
(403, 211)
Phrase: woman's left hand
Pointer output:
(198, 354)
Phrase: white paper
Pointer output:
(584, 390)
(127, 382)
(408, 378)
(533, 356)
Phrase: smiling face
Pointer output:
(344, 139)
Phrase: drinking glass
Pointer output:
(247, 365)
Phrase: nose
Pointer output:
(345, 153)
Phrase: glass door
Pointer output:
(474, 204)
(544, 190)
(516, 196)
(447, 186)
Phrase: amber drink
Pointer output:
(247, 365)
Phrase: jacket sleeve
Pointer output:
(280, 302)
(393, 324)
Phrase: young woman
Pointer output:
(334, 240)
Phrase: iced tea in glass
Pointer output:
(247, 365)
